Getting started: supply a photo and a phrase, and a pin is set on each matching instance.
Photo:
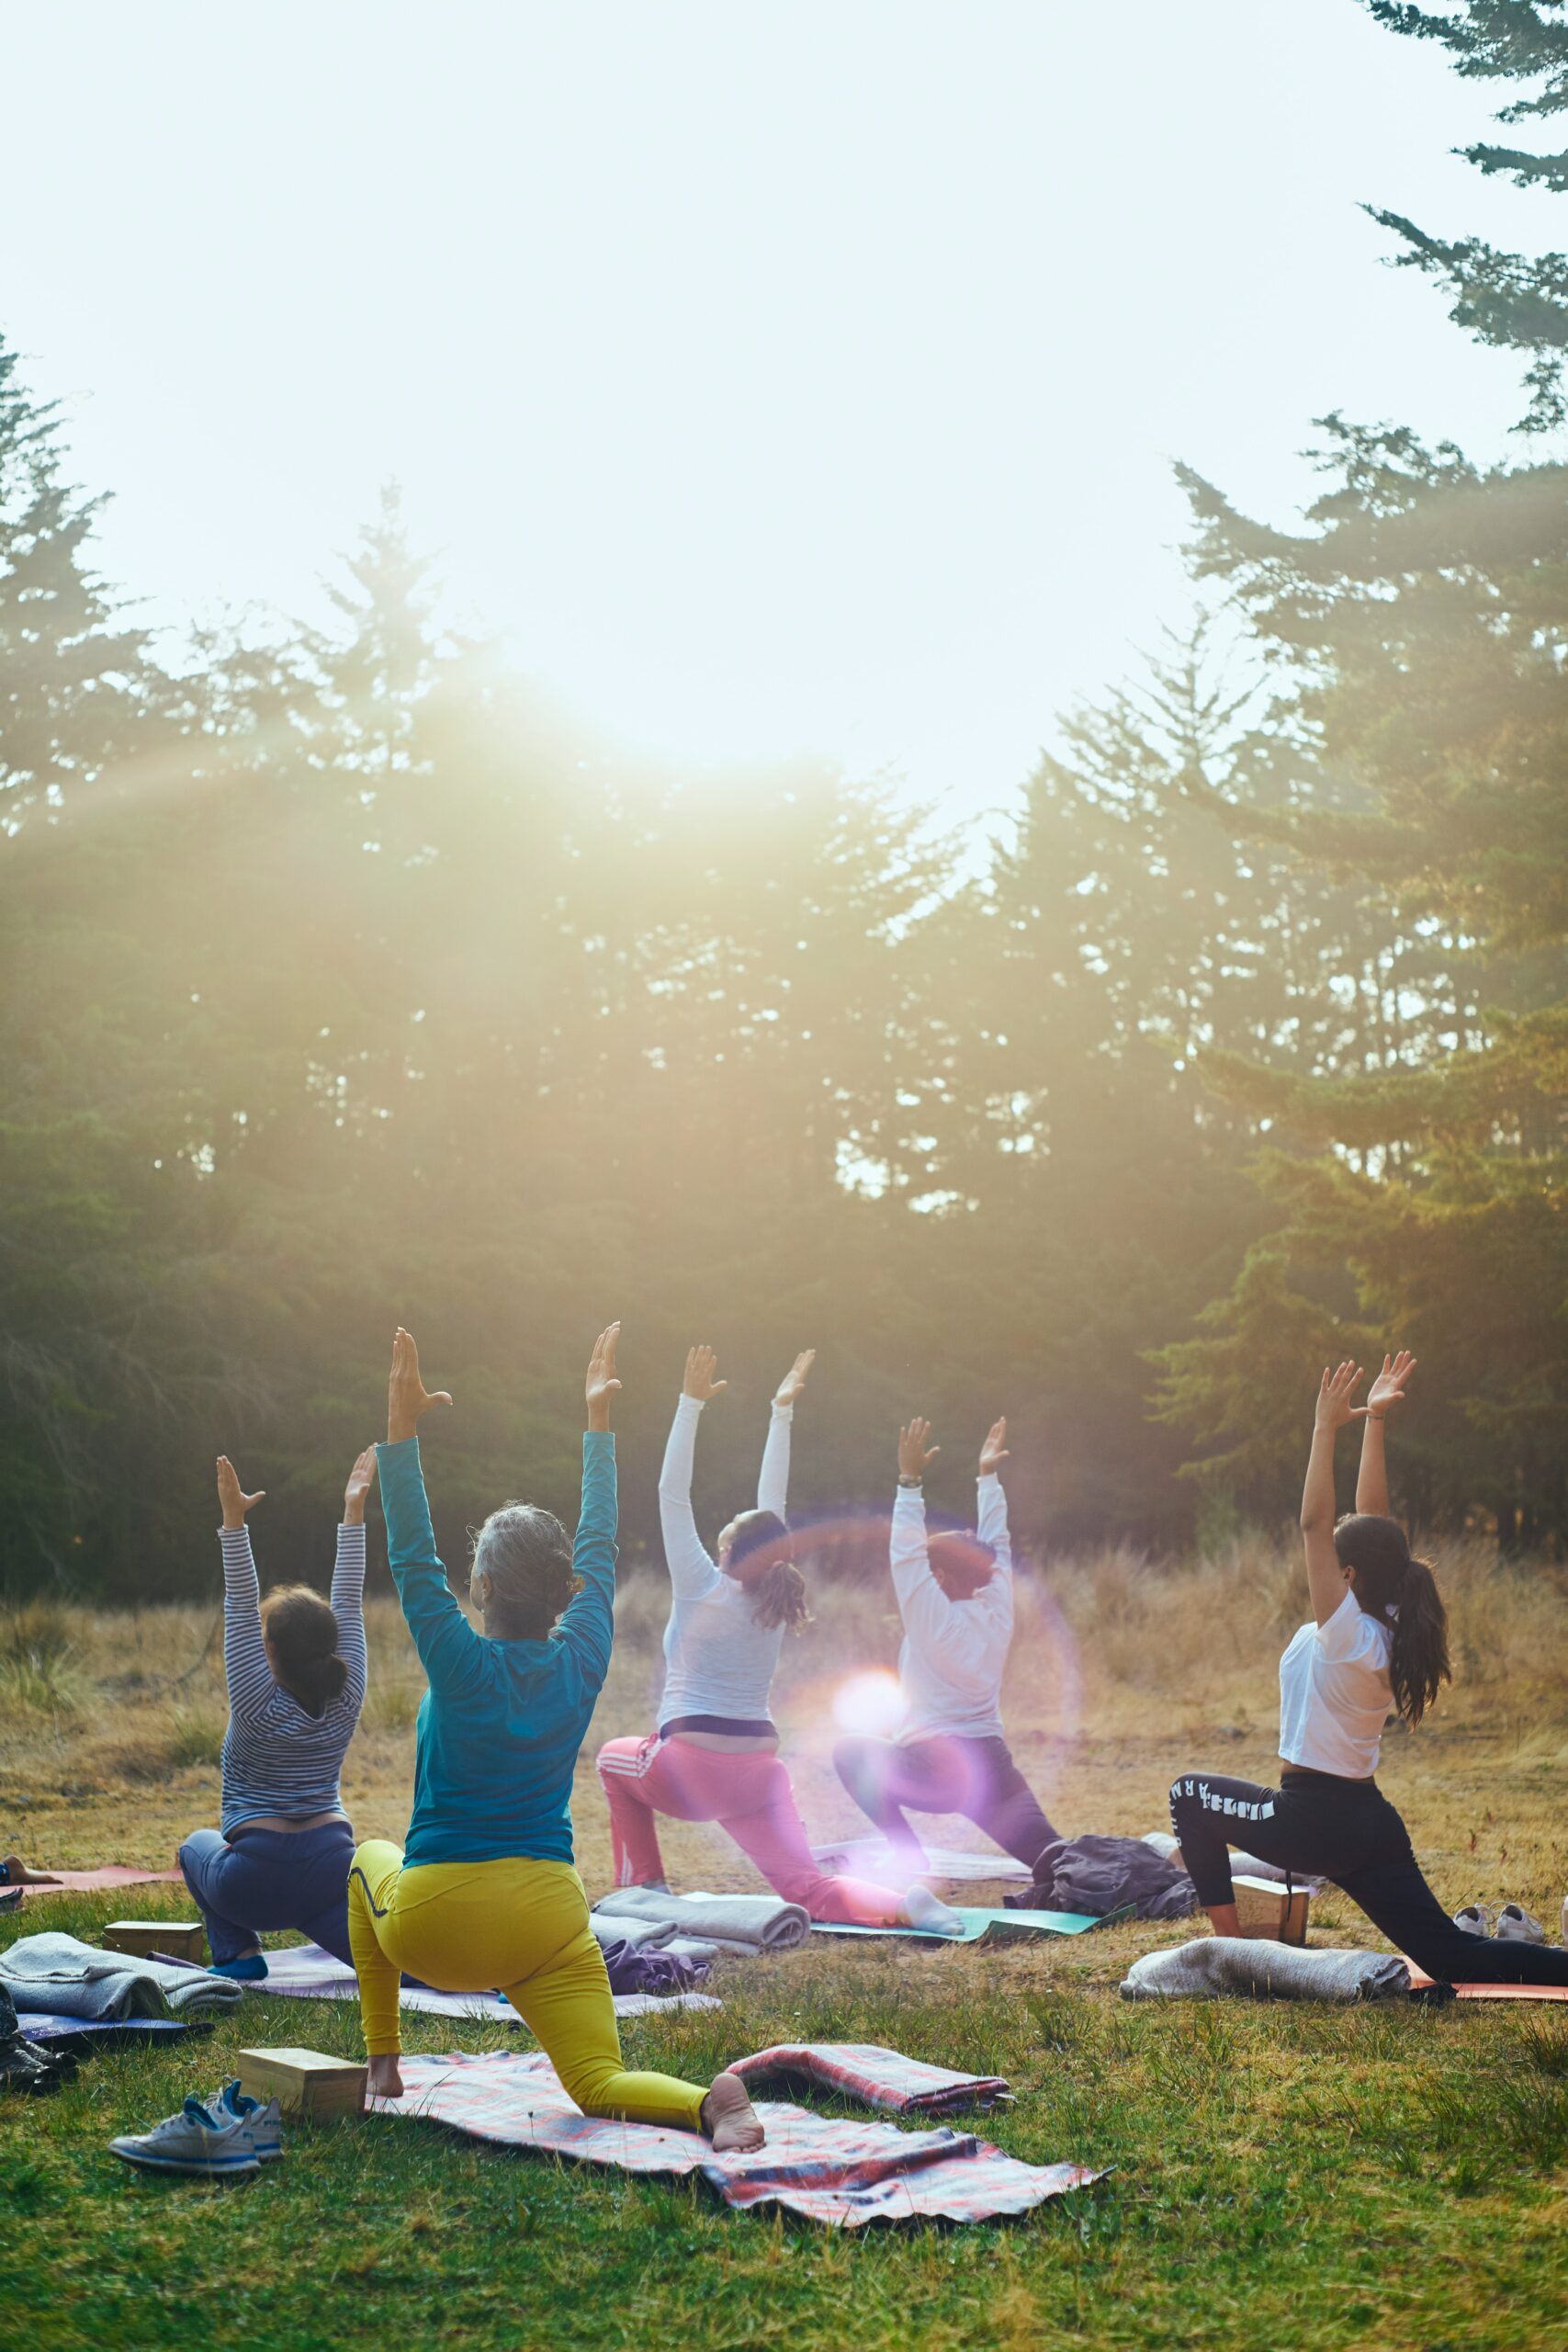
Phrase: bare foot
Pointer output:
(18, 1874)
(384, 2080)
(730, 2119)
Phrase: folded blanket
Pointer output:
(69, 1978)
(650, 1935)
(1214, 1965)
(838, 2172)
(742, 1923)
(879, 2077)
(306, 1972)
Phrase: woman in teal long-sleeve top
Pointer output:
(485, 1892)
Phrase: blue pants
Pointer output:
(270, 1879)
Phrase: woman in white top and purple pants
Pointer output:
(1378, 1639)
(955, 1599)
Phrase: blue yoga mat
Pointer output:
(977, 1923)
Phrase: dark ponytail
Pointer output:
(1402, 1593)
(303, 1636)
(776, 1591)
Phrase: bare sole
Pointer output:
(730, 2119)
(383, 2079)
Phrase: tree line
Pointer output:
(345, 982)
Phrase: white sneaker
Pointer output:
(232, 2105)
(193, 2140)
(1475, 1919)
(1517, 1925)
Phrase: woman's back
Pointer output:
(500, 1729)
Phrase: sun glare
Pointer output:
(871, 1703)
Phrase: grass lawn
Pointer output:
(1284, 2176)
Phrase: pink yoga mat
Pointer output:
(98, 1881)
(1421, 1982)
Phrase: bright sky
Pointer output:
(795, 375)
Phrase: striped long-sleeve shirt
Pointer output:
(278, 1757)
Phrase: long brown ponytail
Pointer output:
(777, 1592)
(1402, 1593)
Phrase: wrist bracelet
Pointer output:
(916, 1483)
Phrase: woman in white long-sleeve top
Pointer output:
(714, 1756)
(956, 1600)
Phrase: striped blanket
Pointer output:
(842, 2174)
(876, 2076)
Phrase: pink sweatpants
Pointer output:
(748, 1794)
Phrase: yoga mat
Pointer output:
(1004, 1926)
(306, 1972)
(871, 1857)
(842, 2173)
(42, 2025)
(98, 1881)
(1421, 1982)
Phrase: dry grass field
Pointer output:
(1390, 2181)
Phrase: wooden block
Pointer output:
(181, 1938)
(1261, 1910)
(304, 2082)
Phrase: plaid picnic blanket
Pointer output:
(842, 2174)
(876, 2076)
(306, 1972)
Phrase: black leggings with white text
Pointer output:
(1347, 1831)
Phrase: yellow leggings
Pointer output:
(466, 1927)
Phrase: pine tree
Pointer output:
(1512, 302)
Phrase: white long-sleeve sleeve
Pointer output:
(772, 1478)
(719, 1660)
(693, 1570)
(953, 1653)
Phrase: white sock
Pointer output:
(924, 1909)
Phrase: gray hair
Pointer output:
(526, 1554)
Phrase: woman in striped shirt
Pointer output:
(296, 1667)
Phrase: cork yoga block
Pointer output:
(1262, 1909)
(181, 1938)
(304, 2082)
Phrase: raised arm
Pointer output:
(932, 1621)
(450, 1649)
(772, 1478)
(693, 1570)
(990, 1498)
(1387, 1389)
(588, 1625)
(348, 1575)
(1326, 1578)
(250, 1677)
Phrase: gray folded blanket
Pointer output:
(740, 1923)
(649, 1935)
(68, 1978)
(1212, 1966)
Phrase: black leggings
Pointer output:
(1347, 1831)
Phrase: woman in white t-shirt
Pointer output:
(1378, 1641)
